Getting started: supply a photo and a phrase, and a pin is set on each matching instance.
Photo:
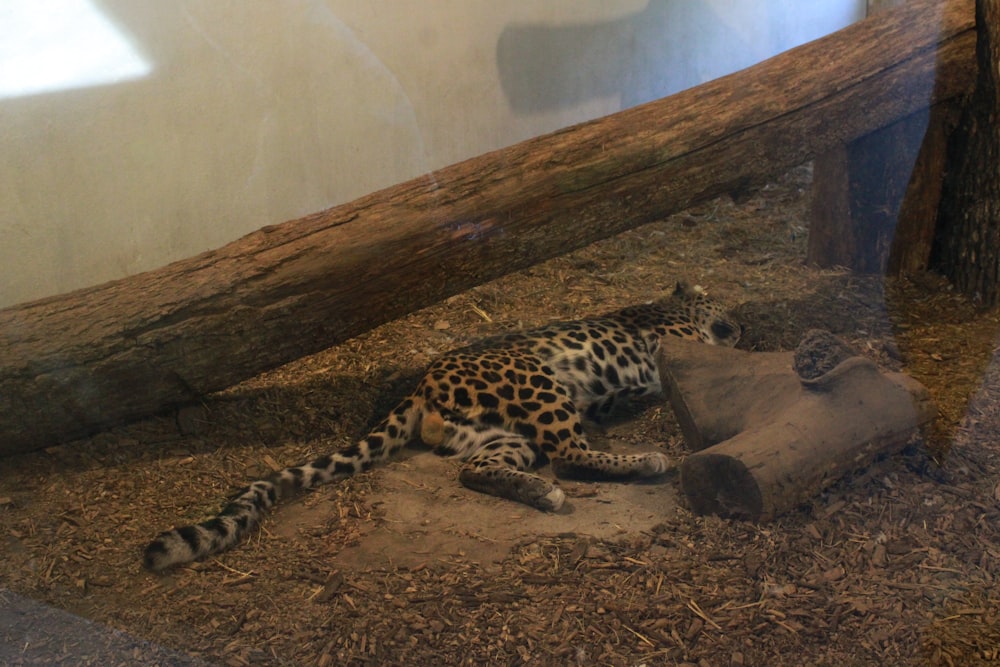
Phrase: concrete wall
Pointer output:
(221, 116)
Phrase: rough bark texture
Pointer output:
(76, 363)
(772, 430)
(968, 247)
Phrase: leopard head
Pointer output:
(710, 319)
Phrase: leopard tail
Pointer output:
(245, 511)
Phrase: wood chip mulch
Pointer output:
(896, 565)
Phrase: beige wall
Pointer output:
(254, 112)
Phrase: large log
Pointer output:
(773, 429)
(76, 363)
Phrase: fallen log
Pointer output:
(76, 363)
(773, 429)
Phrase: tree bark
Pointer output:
(76, 363)
(968, 244)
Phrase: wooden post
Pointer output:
(968, 239)
(875, 198)
(913, 239)
(857, 192)
(76, 363)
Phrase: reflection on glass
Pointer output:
(50, 45)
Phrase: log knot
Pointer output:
(818, 353)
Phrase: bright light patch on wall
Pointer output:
(50, 45)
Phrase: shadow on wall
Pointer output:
(667, 47)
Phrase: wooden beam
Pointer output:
(912, 222)
(83, 361)
(967, 243)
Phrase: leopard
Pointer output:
(503, 406)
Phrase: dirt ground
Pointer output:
(895, 565)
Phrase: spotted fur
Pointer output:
(503, 406)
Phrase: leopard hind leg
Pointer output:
(501, 469)
(497, 462)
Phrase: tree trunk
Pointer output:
(76, 363)
(968, 244)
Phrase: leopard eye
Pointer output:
(722, 329)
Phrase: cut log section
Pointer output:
(73, 364)
(773, 429)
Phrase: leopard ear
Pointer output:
(684, 289)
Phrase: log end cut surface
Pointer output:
(720, 484)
